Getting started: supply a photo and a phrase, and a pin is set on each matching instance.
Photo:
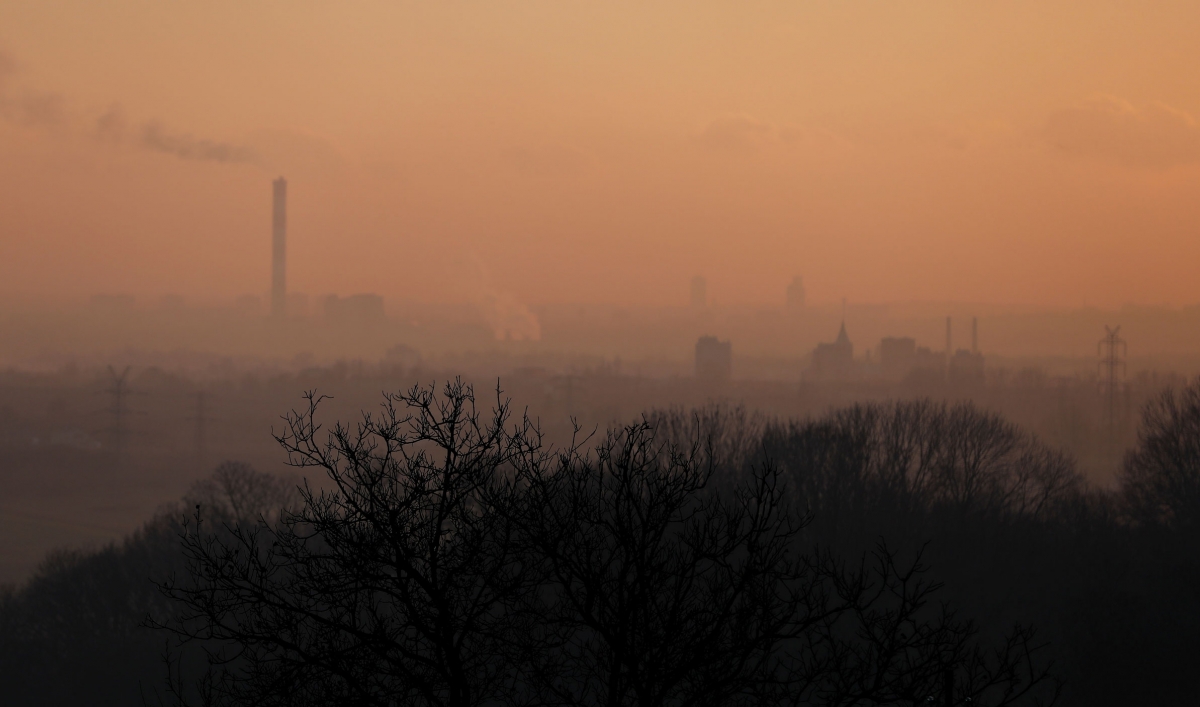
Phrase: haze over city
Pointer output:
(569, 152)
(675, 354)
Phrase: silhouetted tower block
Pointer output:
(795, 295)
(714, 359)
(279, 249)
(1113, 351)
(699, 293)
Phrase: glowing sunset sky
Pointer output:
(1019, 151)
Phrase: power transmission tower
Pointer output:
(119, 391)
(1113, 352)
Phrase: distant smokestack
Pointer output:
(279, 250)
(974, 335)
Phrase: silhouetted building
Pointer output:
(714, 359)
(355, 309)
(699, 292)
(900, 358)
(795, 295)
(929, 362)
(836, 360)
(966, 368)
(279, 249)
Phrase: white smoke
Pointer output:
(509, 318)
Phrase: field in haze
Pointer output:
(208, 383)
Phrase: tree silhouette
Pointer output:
(455, 561)
(657, 592)
(390, 587)
(1160, 477)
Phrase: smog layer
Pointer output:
(792, 353)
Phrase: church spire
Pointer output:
(842, 337)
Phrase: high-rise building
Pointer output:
(699, 292)
(279, 249)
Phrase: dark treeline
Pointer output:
(902, 553)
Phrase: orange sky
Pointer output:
(1017, 151)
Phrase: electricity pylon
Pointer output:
(1113, 351)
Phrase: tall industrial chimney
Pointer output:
(279, 250)
(974, 335)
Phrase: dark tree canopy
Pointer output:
(397, 585)
(1160, 479)
(454, 561)
(879, 554)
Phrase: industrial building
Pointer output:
(900, 358)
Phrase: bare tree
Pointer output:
(389, 588)
(663, 591)
(888, 642)
(1160, 478)
(237, 493)
(919, 456)
(656, 592)
(455, 562)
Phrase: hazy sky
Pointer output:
(1018, 151)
